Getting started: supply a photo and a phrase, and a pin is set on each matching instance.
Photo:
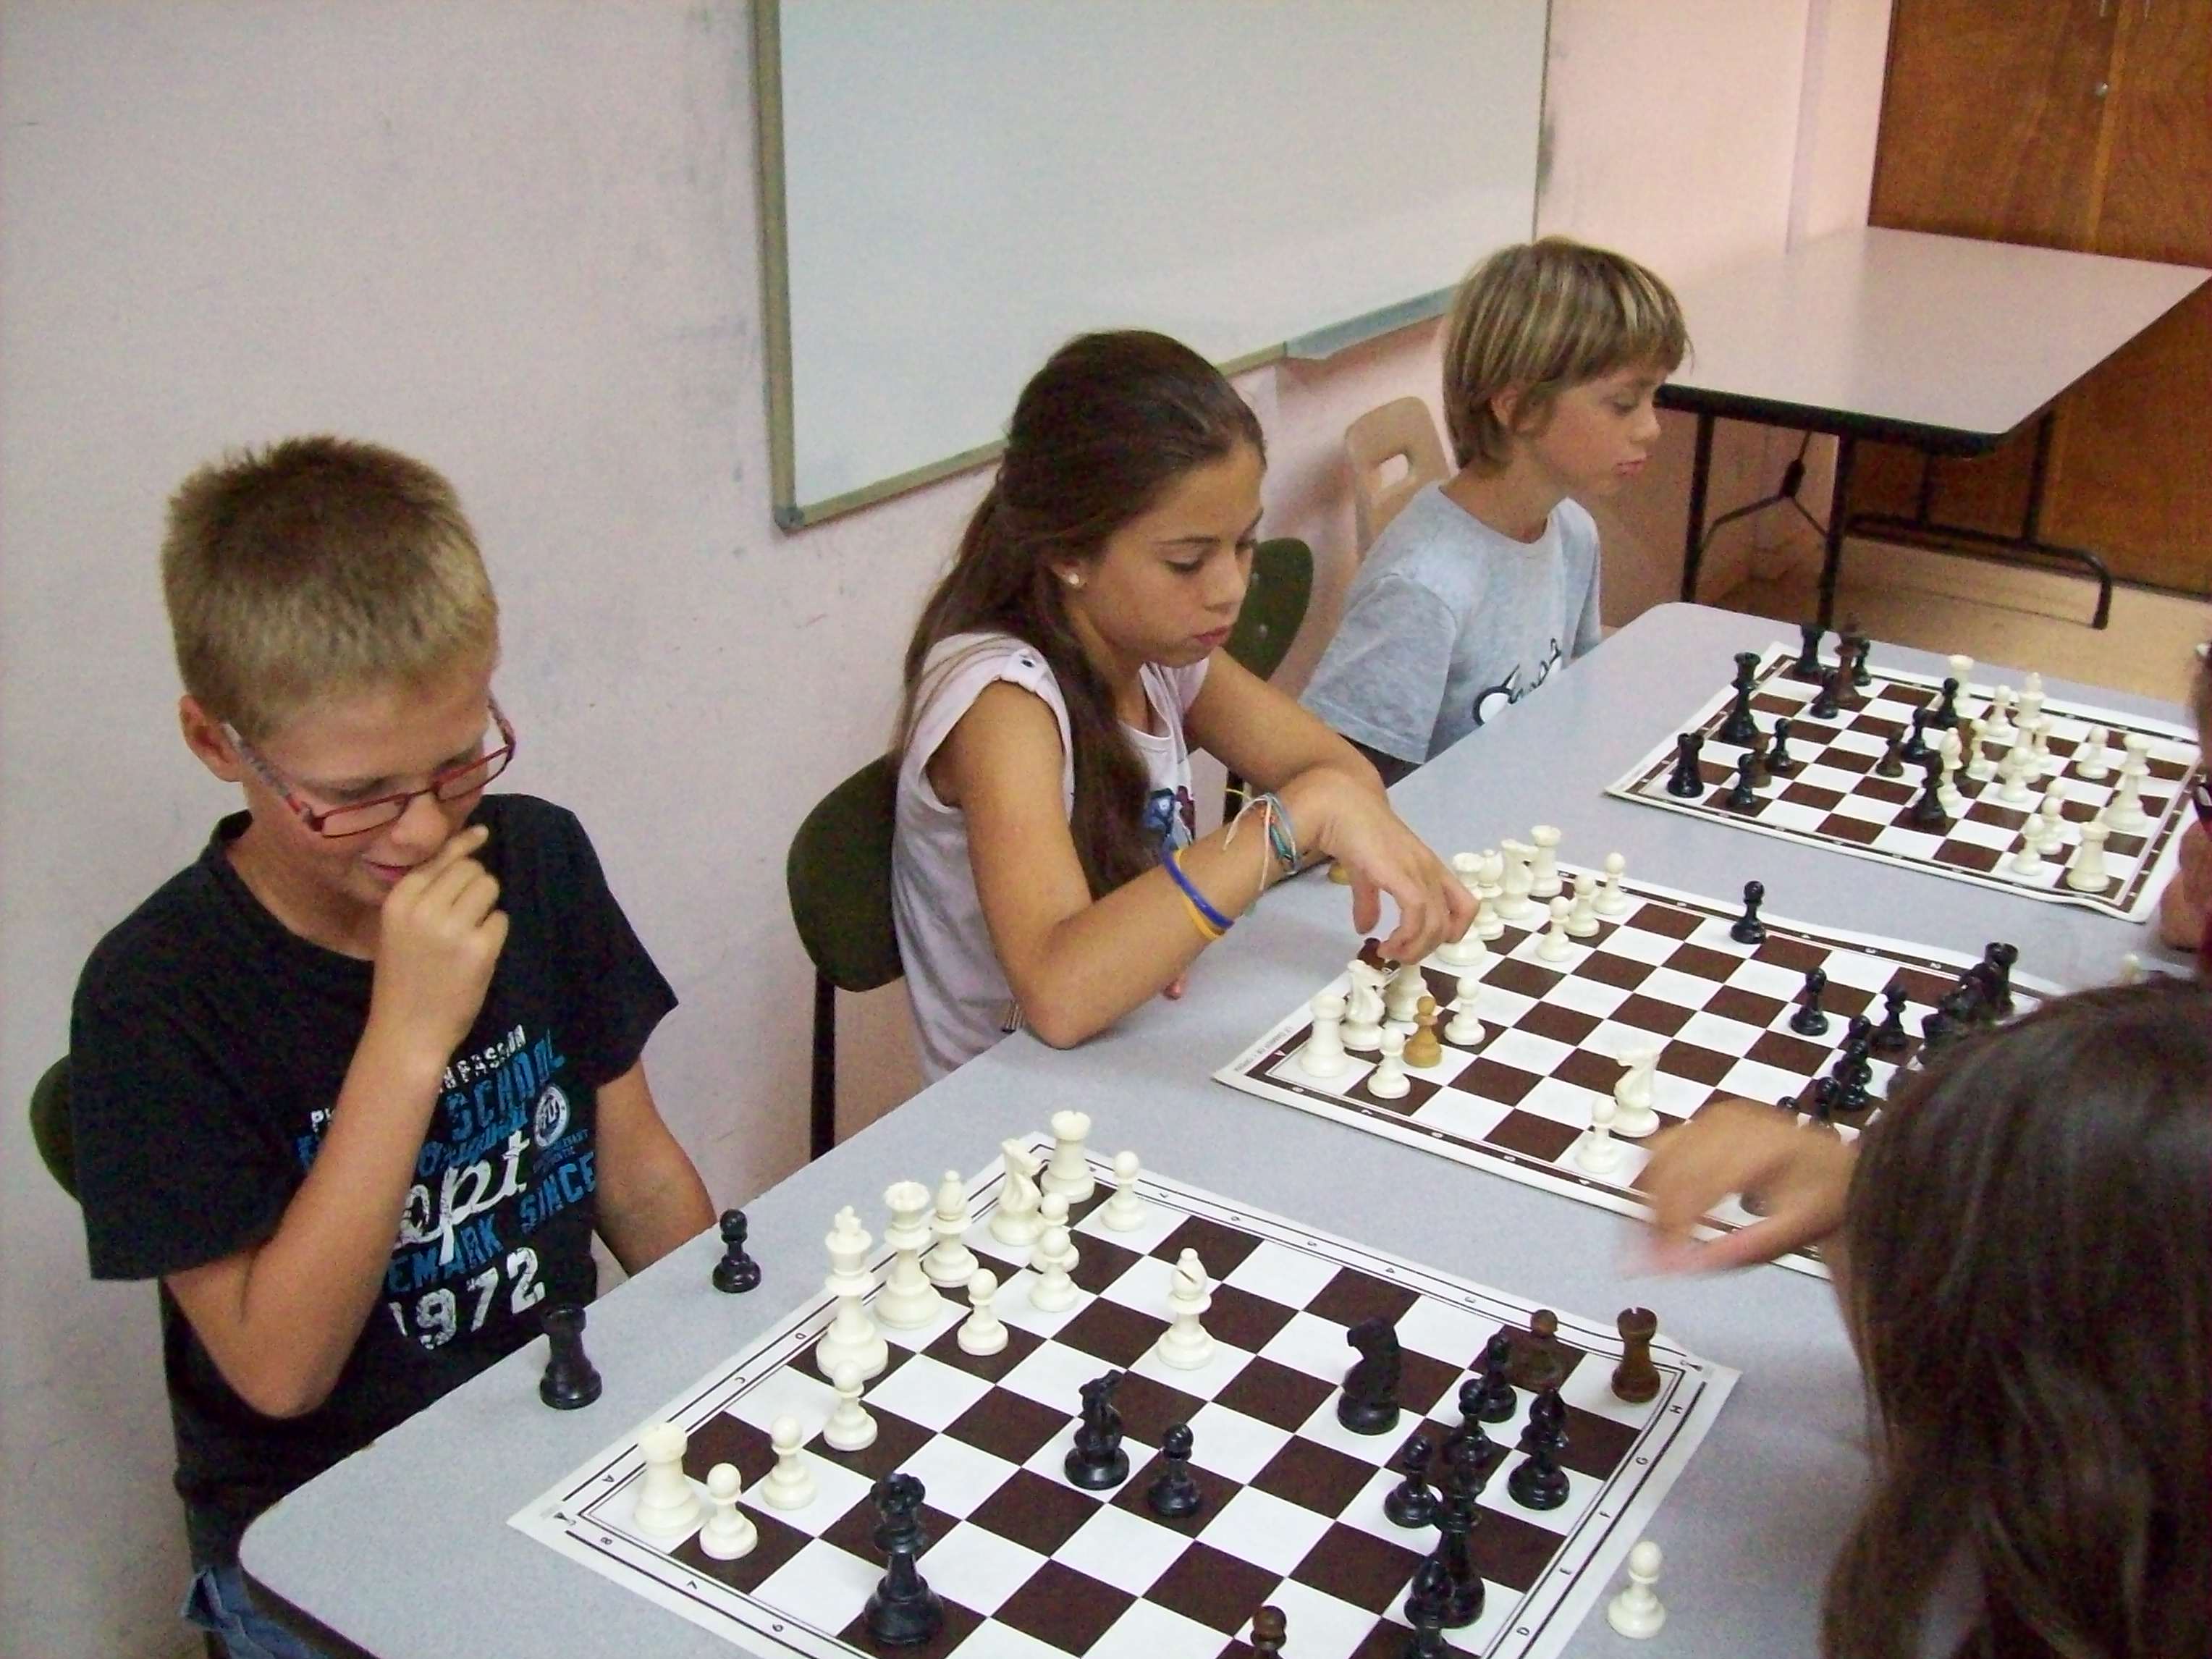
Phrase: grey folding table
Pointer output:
(403, 1552)
(1949, 344)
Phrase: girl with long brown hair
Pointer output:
(2023, 1245)
(1047, 869)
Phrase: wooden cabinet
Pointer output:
(2079, 124)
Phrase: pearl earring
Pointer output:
(1073, 578)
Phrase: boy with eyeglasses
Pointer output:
(358, 1085)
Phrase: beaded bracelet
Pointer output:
(1205, 912)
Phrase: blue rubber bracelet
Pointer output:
(1174, 865)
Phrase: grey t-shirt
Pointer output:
(1449, 622)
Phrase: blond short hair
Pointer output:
(320, 567)
(1540, 317)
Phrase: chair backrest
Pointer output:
(1274, 605)
(50, 1127)
(839, 876)
(1400, 429)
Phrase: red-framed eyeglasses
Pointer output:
(360, 817)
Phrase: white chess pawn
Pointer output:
(1544, 869)
(790, 1484)
(1581, 914)
(1465, 1029)
(1323, 1054)
(729, 1533)
(2001, 726)
(1980, 769)
(2092, 762)
(1948, 792)
(2039, 747)
(1488, 924)
(1611, 901)
(1555, 946)
(949, 1263)
(1599, 1151)
(909, 1301)
(1053, 1211)
(1186, 1346)
(851, 1337)
(1467, 949)
(667, 1504)
(2085, 871)
(1962, 670)
(849, 1428)
(2049, 824)
(1124, 1212)
(982, 1332)
(2132, 971)
(1052, 1291)
(1014, 1221)
(2014, 770)
(2124, 812)
(2027, 860)
(1387, 1080)
(1069, 1173)
(1634, 1116)
(1636, 1611)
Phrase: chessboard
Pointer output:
(1836, 800)
(1028, 1564)
(1665, 972)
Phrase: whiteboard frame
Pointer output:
(791, 513)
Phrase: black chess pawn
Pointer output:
(1828, 701)
(1428, 1605)
(1807, 666)
(1497, 1401)
(1937, 1031)
(1368, 1402)
(1779, 759)
(1537, 1483)
(736, 1273)
(1744, 797)
(1687, 781)
(1454, 1525)
(1548, 1422)
(1927, 811)
(1808, 1020)
(1470, 1432)
(1539, 1362)
(1096, 1460)
(1740, 726)
(903, 1611)
(1890, 1037)
(1862, 675)
(1270, 1629)
(1749, 928)
(1892, 763)
(1827, 1094)
(1173, 1494)
(1410, 1503)
(570, 1379)
(1946, 717)
(1762, 773)
(1853, 1071)
(1999, 959)
(1916, 748)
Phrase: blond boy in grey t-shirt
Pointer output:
(1486, 584)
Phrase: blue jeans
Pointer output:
(218, 1602)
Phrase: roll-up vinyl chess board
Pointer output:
(1837, 799)
(1027, 1564)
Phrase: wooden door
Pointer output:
(2076, 123)
(2131, 472)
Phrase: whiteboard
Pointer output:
(951, 188)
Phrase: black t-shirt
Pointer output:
(207, 1047)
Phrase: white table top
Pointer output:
(1947, 341)
(405, 1549)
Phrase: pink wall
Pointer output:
(520, 240)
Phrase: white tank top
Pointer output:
(961, 1005)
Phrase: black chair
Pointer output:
(1274, 608)
(838, 874)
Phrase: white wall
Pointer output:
(519, 240)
